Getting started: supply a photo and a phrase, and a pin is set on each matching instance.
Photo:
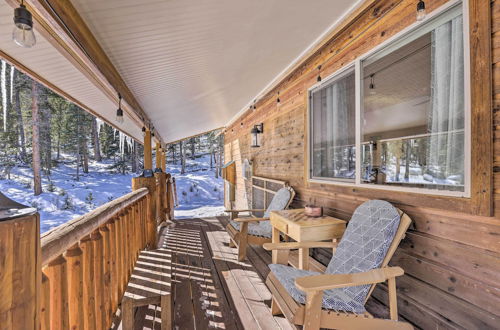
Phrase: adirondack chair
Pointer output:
(252, 230)
(336, 298)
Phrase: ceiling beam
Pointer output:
(60, 23)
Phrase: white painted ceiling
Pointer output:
(194, 64)
(47, 62)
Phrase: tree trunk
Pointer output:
(193, 146)
(37, 176)
(45, 132)
(20, 123)
(78, 146)
(211, 156)
(183, 158)
(85, 155)
(407, 162)
(95, 139)
(134, 157)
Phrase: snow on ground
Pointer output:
(64, 198)
(199, 193)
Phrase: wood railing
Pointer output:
(87, 263)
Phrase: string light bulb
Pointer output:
(420, 10)
(23, 33)
(278, 98)
(319, 73)
(119, 111)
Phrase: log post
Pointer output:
(163, 160)
(45, 303)
(88, 279)
(106, 252)
(148, 161)
(74, 260)
(20, 267)
(169, 205)
(158, 157)
(113, 271)
(150, 183)
(120, 260)
(56, 271)
(161, 196)
(96, 238)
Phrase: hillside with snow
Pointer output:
(64, 198)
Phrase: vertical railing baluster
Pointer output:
(74, 260)
(88, 278)
(56, 271)
(45, 303)
(114, 287)
(106, 275)
(98, 278)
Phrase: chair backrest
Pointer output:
(280, 201)
(366, 241)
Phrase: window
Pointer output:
(412, 113)
(333, 126)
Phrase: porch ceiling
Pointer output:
(193, 65)
(57, 70)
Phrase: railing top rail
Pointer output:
(61, 238)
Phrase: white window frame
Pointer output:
(391, 43)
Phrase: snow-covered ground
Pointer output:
(199, 193)
(64, 198)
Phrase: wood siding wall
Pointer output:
(451, 258)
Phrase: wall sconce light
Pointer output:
(256, 131)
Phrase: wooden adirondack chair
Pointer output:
(336, 298)
(252, 230)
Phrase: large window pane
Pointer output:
(413, 112)
(333, 129)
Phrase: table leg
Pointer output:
(304, 258)
(275, 239)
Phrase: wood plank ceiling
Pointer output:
(194, 64)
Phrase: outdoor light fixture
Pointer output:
(256, 131)
(420, 10)
(319, 73)
(278, 98)
(143, 130)
(254, 106)
(23, 33)
(119, 111)
(372, 84)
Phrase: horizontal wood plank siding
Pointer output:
(451, 256)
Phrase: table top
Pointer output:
(298, 217)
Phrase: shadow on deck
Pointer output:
(211, 289)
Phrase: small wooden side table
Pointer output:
(295, 224)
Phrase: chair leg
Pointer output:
(127, 314)
(275, 309)
(393, 299)
(242, 244)
(166, 312)
(312, 317)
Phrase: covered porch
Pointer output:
(338, 104)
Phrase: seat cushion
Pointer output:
(279, 201)
(263, 228)
(365, 242)
(335, 299)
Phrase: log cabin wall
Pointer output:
(451, 256)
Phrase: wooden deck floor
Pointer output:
(211, 288)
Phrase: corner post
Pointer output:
(20, 265)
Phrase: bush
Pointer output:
(68, 203)
(90, 199)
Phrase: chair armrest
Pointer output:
(250, 219)
(333, 281)
(249, 210)
(298, 245)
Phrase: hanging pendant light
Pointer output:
(23, 33)
(372, 84)
(420, 10)
(319, 73)
(143, 130)
(119, 111)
